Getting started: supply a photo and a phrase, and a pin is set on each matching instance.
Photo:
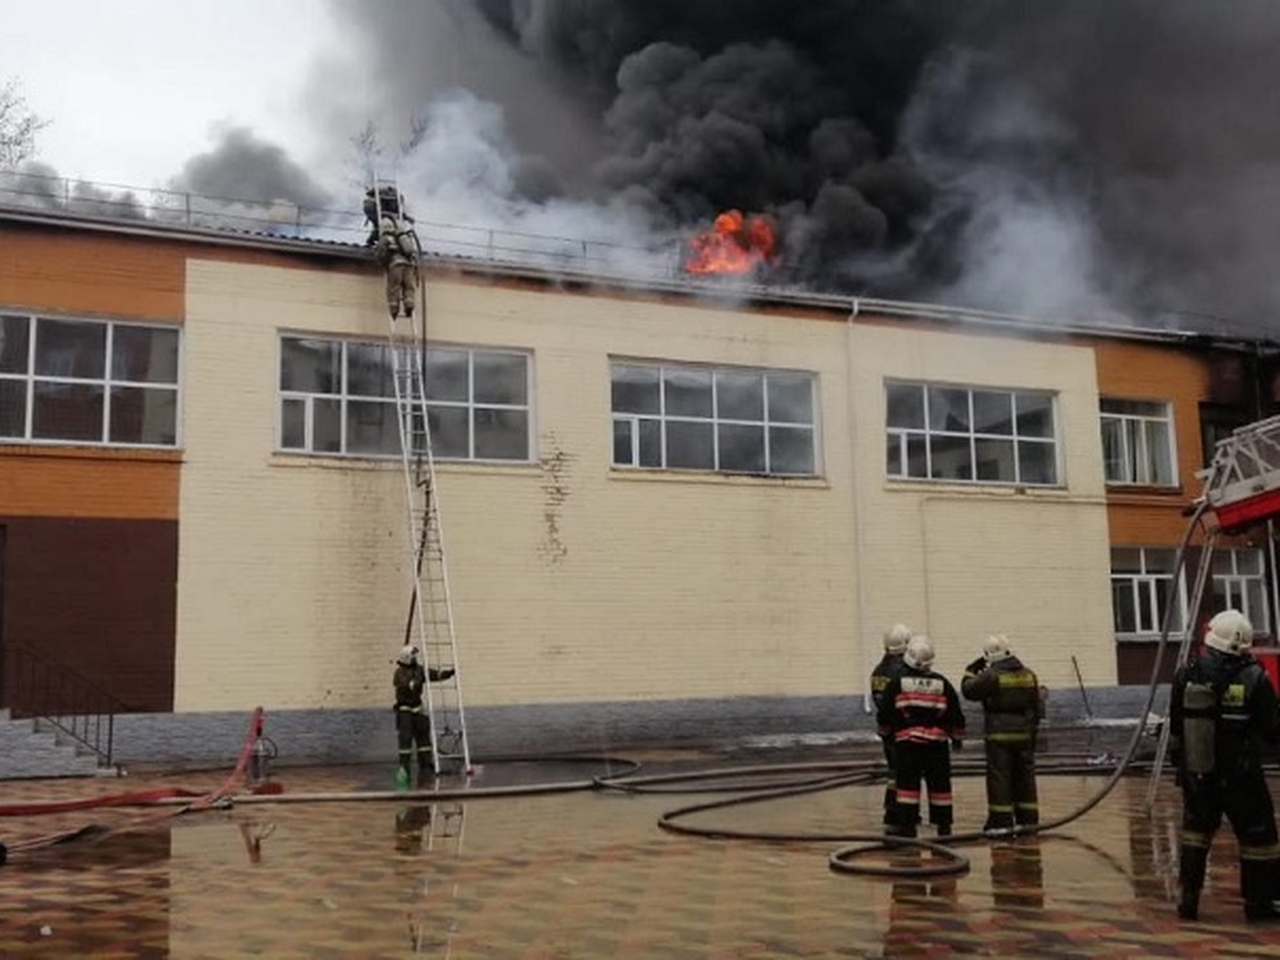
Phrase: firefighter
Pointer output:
(398, 251)
(413, 728)
(1012, 711)
(895, 645)
(1222, 716)
(921, 711)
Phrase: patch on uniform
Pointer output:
(931, 685)
(1233, 696)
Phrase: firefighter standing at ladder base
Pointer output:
(1012, 711)
(412, 725)
(890, 665)
(1222, 718)
(922, 711)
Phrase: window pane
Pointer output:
(13, 408)
(1223, 563)
(689, 446)
(622, 433)
(904, 405)
(1249, 562)
(144, 415)
(310, 366)
(1037, 462)
(372, 427)
(67, 411)
(993, 412)
(636, 390)
(1166, 596)
(741, 448)
(1035, 415)
(917, 455)
(948, 409)
(1126, 617)
(949, 458)
(1159, 466)
(326, 432)
(893, 454)
(650, 443)
(293, 425)
(144, 354)
(502, 434)
(790, 397)
(739, 396)
(995, 460)
(1160, 559)
(1114, 461)
(14, 332)
(1126, 560)
(1256, 605)
(369, 370)
(66, 349)
(1137, 408)
(447, 375)
(501, 378)
(450, 431)
(791, 450)
(688, 392)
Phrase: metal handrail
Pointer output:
(42, 689)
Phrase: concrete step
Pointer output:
(26, 750)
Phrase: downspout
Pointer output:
(870, 651)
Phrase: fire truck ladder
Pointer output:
(1242, 489)
(429, 624)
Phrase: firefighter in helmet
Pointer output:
(1222, 719)
(1012, 711)
(890, 665)
(921, 711)
(413, 728)
(396, 246)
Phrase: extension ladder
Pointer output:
(429, 624)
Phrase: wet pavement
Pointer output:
(588, 873)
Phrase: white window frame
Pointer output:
(899, 438)
(663, 419)
(107, 382)
(1137, 433)
(1232, 581)
(1142, 586)
(344, 397)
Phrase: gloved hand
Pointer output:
(957, 746)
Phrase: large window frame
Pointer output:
(336, 398)
(1142, 582)
(715, 419)
(89, 382)
(945, 433)
(1138, 443)
(1239, 577)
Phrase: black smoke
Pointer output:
(1064, 157)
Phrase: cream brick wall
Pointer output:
(573, 582)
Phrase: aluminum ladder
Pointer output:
(429, 625)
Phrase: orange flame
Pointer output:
(734, 244)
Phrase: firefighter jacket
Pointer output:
(409, 679)
(1010, 697)
(397, 243)
(890, 666)
(920, 706)
(1222, 714)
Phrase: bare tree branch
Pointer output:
(18, 126)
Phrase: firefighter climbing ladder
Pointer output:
(429, 624)
(1242, 488)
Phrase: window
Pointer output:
(960, 434)
(1239, 583)
(1142, 587)
(717, 419)
(1137, 442)
(88, 382)
(338, 397)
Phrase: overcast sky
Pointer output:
(134, 89)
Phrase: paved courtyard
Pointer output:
(588, 873)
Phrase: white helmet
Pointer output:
(996, 648)
(919, 652)
(408, 655)
(896, 638)
(1230, 631)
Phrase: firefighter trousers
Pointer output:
(413, 729)
(890, 793)
(1246, 801)
(1011, 783)
(915, 762)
